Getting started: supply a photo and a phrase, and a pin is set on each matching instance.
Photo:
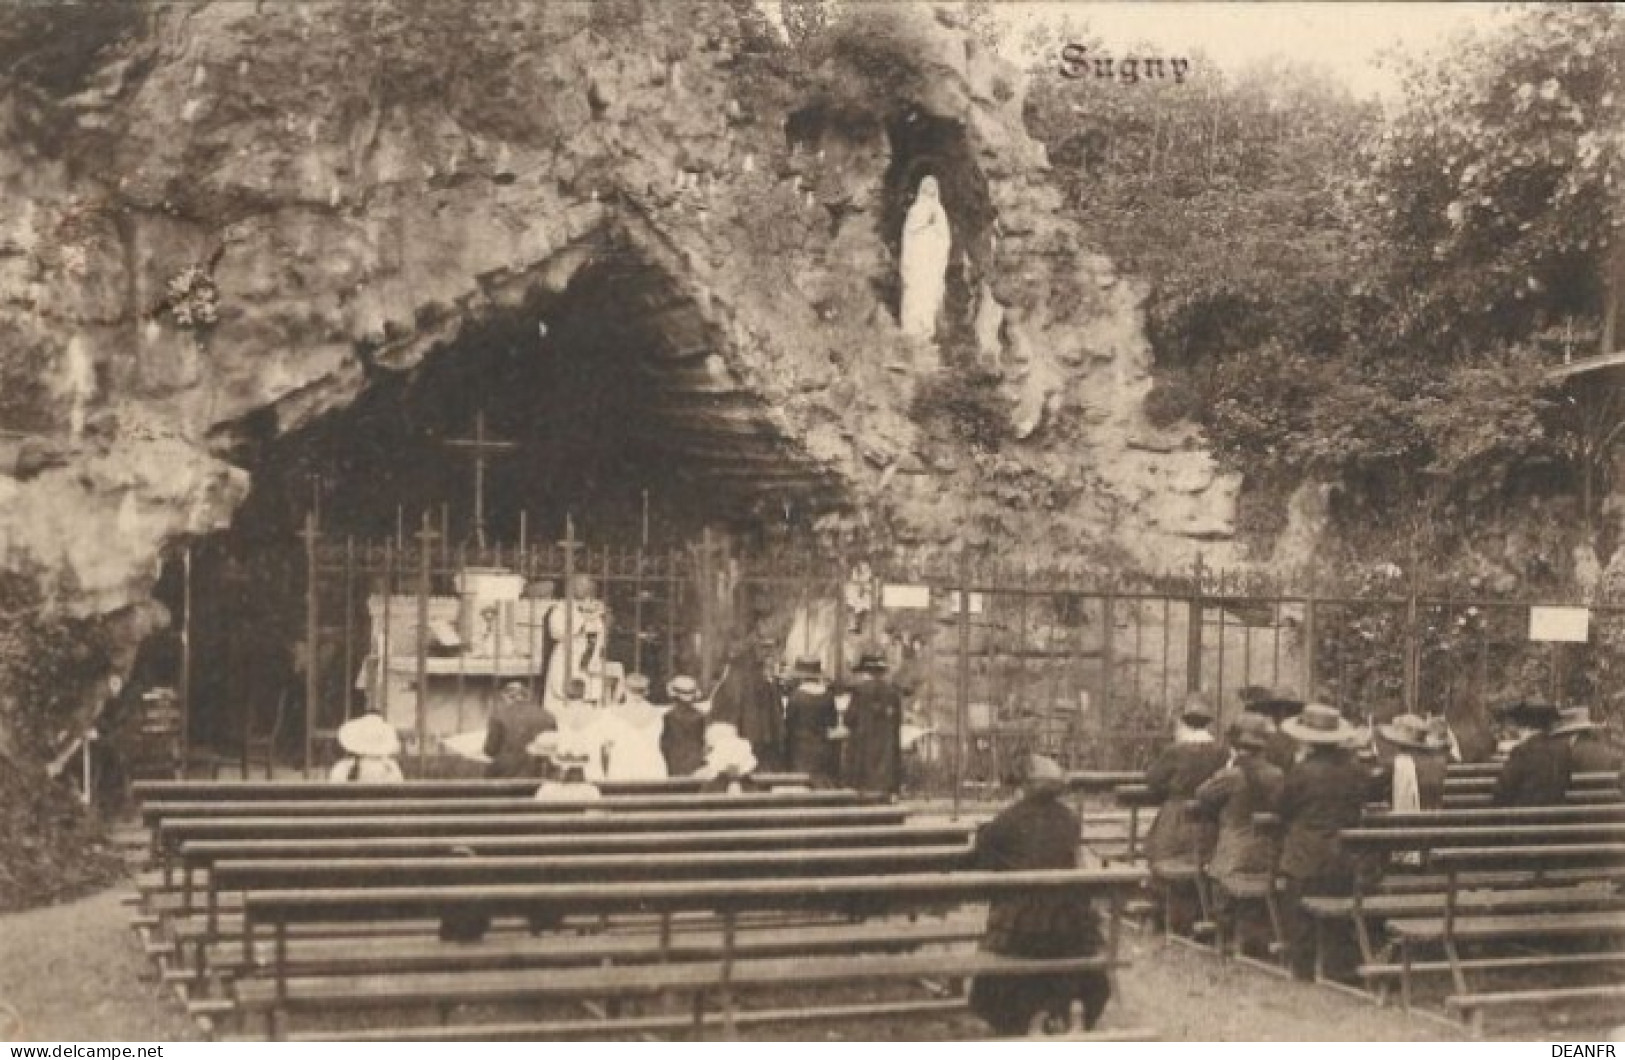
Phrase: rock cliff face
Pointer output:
(230, 213)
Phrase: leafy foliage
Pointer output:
(47, 660)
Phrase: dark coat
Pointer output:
(1536, 773)
(512, 728)
(1173, 778)
(874, 750)
(1322, 795)
(682, 740)
(1252, 785)
(1431, 770)
(1590, 752)
(747, 700)
(808, 717)
(1036, 833)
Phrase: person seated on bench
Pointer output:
(1176, 841)
(1276, 705)
(728, 760)
(1589, 748)
(1323, 794)
(1250, 784)
(1537, 771)
(372, 745)
(1037, 832)
(810, 718)
(682, 734)
(1413, 763)
(515, 724)
(569, 756)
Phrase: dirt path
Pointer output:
(73, 973)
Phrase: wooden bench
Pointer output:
(198, 857)
(595, 818)
(702, 981)
(284, 790)
(1600, 918)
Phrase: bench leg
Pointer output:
(1405, 974)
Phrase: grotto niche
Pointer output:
(609, 413)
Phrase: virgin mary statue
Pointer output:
(926, 238)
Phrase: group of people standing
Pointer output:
(1317, 771)
(752, 721)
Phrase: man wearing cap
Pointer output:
(682, 735)
(1537, 771)
(1037, 832)
(746, 699)
(1176, 840)
(809, 718)
(515, 723)
(874, 751)
(1324, 793)
(1250, 784)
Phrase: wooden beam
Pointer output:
(1586, 365)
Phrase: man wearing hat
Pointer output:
(746, 699)
(1037, 832)
(1277, 705)
(1250, 784)
(1537, 771)
(1324, 793)
(371, 744)
(809, 718)
(517, 720)
(1176, 840)
(874, 751)
(682, 734)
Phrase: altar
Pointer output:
(473, 644)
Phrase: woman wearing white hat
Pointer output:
(372, 745)
(632, 740)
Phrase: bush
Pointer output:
(966, 405)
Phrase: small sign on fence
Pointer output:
(1562, 625)
(905, 597)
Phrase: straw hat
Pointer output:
(1573, 719)
(637, 684)
(369, 736)
(1409, 730)
(726, 752)
(683, 688)
(1320, 724)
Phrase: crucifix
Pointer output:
(481, 447)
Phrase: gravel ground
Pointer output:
(73, 972)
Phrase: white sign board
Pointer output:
(1563, 625)
(905, 597)
(975, 603)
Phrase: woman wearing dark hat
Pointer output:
(809, 718)
(1324, 793)
(874, 751)
(1038, 832)
(1537, 770)
(1278, 705)
(1250, 784)
(746, 699)
(1178, 842)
